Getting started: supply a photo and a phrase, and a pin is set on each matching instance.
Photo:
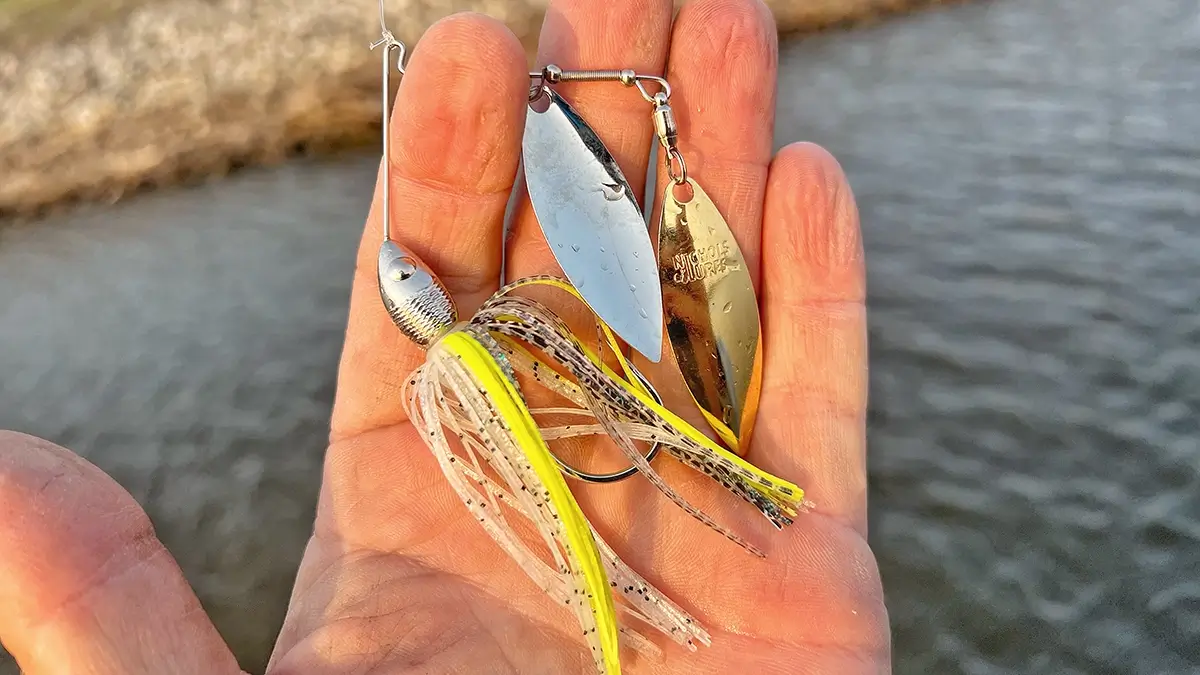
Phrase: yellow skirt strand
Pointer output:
(497, 459)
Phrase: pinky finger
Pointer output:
(812, 419)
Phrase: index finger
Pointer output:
(456, 137)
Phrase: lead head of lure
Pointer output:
(415, 299)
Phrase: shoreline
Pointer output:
(96, 110)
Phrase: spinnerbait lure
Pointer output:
(466, 402)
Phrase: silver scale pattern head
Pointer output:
(415, 299)
(413, 296)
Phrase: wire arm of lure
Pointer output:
(392, 42)
(389, 43)
(553, 74)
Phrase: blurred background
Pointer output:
(1028, 173)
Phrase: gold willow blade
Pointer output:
(712, 313)
(708, 296)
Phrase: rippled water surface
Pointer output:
(1029, 179)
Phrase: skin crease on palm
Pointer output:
(397, 577)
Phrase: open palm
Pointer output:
(398, 578)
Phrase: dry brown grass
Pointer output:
(104, 97)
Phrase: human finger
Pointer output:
(85, 585)
(812, 420)
(456, 136)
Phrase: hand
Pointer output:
(397, 578)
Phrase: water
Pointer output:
(1030, 184)
(1029, 179)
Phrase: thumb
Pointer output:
(85, 585)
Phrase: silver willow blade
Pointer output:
(592, 222)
